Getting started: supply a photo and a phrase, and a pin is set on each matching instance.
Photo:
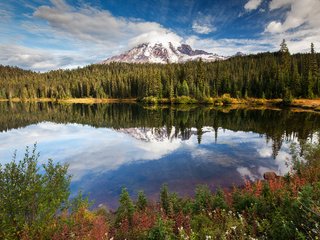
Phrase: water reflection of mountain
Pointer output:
(277, 126)
(161, 134)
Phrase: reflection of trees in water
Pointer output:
(278, 126)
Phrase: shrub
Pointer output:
(218, 102)
(30, 200)
(287, 98)
(162, 230)
(208, 100)
(184, 100)
(150, 100)
(226, 99)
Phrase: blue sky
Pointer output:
(43, 35)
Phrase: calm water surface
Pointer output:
(112, 145)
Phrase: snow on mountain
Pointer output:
(161, 134)
(163, 53)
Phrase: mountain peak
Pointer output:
(163, 52)
(239, 54)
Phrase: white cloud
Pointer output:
(90, 35)
(274, 27)
(39, 59)
(275, 4)
(300, 27)
(252, 5)
(228, 47)
(95, 25)
(202, 28)
(160, 36)
(304, 14)
(203, 24)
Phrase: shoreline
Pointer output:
(296, 105)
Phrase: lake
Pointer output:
(108, 146)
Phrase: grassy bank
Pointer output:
(303, 104)
(36, 206)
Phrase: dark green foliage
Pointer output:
(219, 201)
(203, 199)
(264, 75)
(141, 201)
(80, 201)
(30, 200)
(287, 98)
(206, 201)
(162, 230)
(184, 100)
(165, 199)
(126, 208)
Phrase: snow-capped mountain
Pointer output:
(163, 53)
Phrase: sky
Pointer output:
(43, 35)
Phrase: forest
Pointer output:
(267, 75)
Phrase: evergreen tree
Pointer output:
(165, 199)
(314, 68)
(185, 88)
(142, 201)
(126, 208)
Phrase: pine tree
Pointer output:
(284, 69)
(142, 201)
(126, 208)
(295, 84)
(165, 199)
(283, 47)
(185, 88)
(314, 71)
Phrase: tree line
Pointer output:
(264, 75)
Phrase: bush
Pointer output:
(162, 230)
(30, 200)
(150, 100)
(226, 99)
(184, 100)
(218, 102)
(208, 100)
(256, 102)
(287, 98)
